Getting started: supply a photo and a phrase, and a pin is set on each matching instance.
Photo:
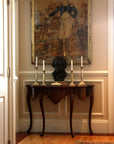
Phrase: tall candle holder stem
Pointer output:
(35, 83)
(72, 81)
(81, 73)
(43, 83)
(81, 82)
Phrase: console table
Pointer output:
(55, 94)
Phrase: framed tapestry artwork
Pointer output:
(61, 28)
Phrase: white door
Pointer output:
(3, 73)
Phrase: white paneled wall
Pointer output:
(57, 116)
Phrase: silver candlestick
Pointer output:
(36, 77)
(82, 83)
(43, 83)
(72, 81)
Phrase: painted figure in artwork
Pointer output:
(60, 28)
(67, 15)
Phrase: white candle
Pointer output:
(43, 65)
(81, 61)
(36, 61)
(71, 65)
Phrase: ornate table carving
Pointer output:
(55, 94)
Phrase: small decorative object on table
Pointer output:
(43, 83)
(36, 73)
(71, 83)
(82, 83)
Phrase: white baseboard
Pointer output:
(62, 125)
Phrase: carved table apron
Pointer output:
(55, 94)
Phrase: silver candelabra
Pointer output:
(43, 82)
(82, 83)
(35, 83)
(72, 81)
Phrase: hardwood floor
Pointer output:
(35, 138)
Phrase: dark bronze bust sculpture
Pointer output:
(59, 63)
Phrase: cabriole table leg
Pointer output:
(29, 93)
(71, 111)
(43, 116)
(90, 108)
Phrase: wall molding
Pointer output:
(77, 72)
(62, 125)
(97, 123)
(36, 113)
(101, 81)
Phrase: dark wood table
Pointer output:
(55, 94)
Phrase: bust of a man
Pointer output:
(59, 63)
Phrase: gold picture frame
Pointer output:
(61, 28)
